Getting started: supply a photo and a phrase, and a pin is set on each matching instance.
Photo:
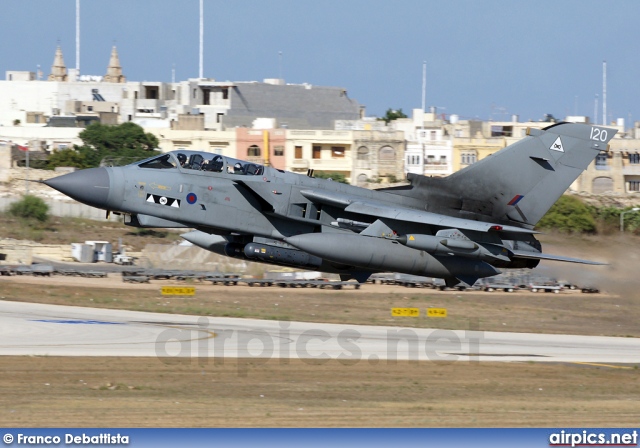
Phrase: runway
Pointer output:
(53, 330)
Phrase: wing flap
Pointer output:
(434, 219)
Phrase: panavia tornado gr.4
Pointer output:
(460, 228)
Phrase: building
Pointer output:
(195, 104)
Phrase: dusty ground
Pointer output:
(114, 392)
(567, 312)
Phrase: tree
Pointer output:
(30, 207)
(67, 157)
(569, 214)
(127, 141)
(393, 114)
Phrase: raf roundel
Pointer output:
(192, 198)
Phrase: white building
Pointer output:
(429, 150)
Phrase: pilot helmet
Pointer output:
(237, 167)
(182, 158)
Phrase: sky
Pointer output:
(485, 59)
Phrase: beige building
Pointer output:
(614, 172)
(361, 156)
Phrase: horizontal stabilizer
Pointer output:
(469, 280)
(541, 256)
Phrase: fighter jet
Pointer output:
(460, 228)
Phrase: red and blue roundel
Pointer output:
(192, 198)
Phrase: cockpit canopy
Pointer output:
(202, 161)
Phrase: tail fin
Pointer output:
(522, 181)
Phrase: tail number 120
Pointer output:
(598, 134)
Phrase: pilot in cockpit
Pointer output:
(215, 164)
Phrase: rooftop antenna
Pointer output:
(173, 74)
(604, 93)
(77, 37)
(201, 39)
(595, 111)
(280, 64)
(424, 84)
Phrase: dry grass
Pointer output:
(124, 392)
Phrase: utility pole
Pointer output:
(604, 93)
(201, 72)
(77, 37)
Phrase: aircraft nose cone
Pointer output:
(90, 186)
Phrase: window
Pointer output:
(634, 185)
(278, 150)
(317, 151)
(431, 160)
(501, 131)
(89, 108)
(634, 158)
(602, 185)
(337, 151)
(163, 162)
(363, 153)
(468, 158)
(225, 93)
(387, 153)
(433, 135)
(253, 151)
(298, 152)
(443, 160)
(602, 162)
(151, 92)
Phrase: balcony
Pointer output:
(436, 167)
(343, 164)
(300, 164)
(258, 160)
(152, 104)
(632, 170)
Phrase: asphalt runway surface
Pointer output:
(54, 330)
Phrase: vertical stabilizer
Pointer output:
(522, 181)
